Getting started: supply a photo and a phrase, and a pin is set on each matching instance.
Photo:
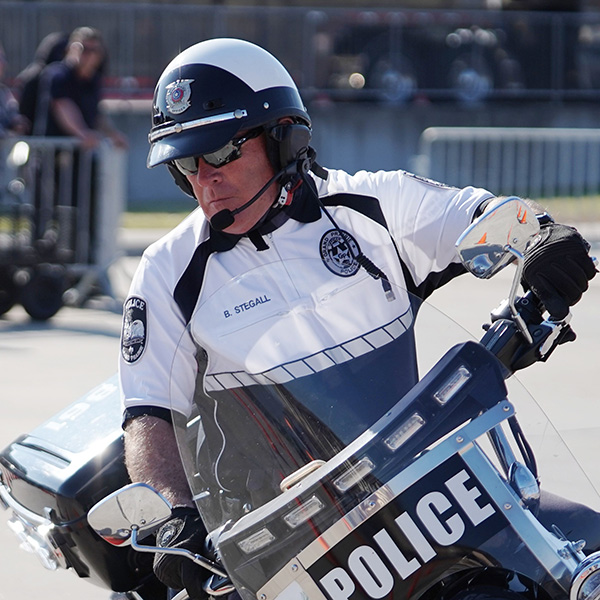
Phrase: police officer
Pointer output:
(230, 126)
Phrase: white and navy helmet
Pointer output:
(212, 91)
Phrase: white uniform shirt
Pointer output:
(298, 307)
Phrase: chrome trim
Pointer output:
(516, 315)
(586, 569)
(545, 545)
(204, 562)
(223, 588)
(557, 327)
(29, 516)
(42, 525)
(162, 132)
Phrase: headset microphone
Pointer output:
(225, 218)
(222, 220)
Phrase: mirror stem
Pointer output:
(520, 260)
(197, 558)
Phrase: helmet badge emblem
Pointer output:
(178, 96)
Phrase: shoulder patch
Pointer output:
(135, 329)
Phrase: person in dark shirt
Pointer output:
(75, 86)
(72, 90)
(33, 102)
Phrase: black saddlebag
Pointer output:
(52, 476)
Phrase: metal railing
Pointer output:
(345, 54)
(545, 163)
(60, 205)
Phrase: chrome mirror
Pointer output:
(135, 506)
(493, 240)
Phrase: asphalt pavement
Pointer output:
(46, 366)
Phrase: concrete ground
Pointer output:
(46, 366)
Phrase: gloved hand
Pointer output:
(184, 530)
(558, 268)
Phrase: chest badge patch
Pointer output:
(135, 329)
(338, 249)
(178, 96)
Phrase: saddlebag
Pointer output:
(51, 477)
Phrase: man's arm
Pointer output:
(152, 456)
(69, 118)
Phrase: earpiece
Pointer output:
(287, 143)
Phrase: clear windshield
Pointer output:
(315, 383)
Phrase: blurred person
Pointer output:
(229, 124)
(74, 86)
(11, 122)
(71, 91)
(33, 99)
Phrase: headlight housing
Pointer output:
(586, 581)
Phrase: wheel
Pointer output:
(487, 584)
(42, 295)
(484, 592)
(9, 291)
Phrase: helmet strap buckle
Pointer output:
(287, 192)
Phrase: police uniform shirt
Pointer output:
(298, 307)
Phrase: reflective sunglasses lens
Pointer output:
(231, 151)
(188, 165)
(223, 155)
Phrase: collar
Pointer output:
(304, 208)
(219, 241)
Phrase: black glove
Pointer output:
(558, 268)
(184, 530)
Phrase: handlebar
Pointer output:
(505, 339)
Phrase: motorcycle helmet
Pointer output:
(216, 89)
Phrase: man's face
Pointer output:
(87, 56)
(233, 184)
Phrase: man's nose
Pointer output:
(207, 174)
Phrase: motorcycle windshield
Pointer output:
(318, 420)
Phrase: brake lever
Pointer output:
(504, 336)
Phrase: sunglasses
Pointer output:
(228, 153)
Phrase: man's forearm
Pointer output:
(152, 456)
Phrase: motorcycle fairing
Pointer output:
(483, 389)
(478, 530)
(390, 546)
(52, 476)
(270, 539)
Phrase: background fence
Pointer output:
(343, 54)
(373, 81)
(556, 163)
(60, 210)
(525, 161)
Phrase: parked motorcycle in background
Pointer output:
(437, 499)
